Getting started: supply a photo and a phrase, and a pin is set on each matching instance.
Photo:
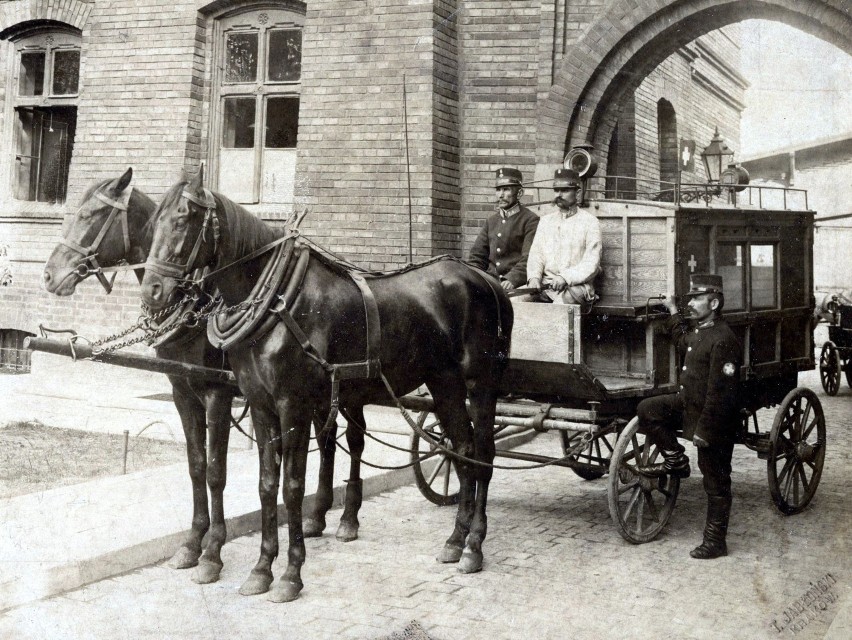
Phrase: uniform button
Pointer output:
(681, 387)
(684, 367)
(689, 348)
(498, 249)
(504, 222)
(498, 264)
(499, 235)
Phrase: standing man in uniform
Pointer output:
(566, 253)
(706, 405)
(503, 245)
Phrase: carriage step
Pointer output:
(758, 442)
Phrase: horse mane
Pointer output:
(245, 231)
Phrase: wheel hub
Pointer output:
(805, 452)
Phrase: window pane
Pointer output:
(26, 159)
(238, 126)
(66, 72)
(44, 144)
(282, 123)
(241, 57)
(285, 56)
(762, 276)
(31, 82)
(729, 265)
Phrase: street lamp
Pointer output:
(714, 155)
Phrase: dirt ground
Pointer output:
(35, 457)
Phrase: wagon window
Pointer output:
(762, 263)
(729, 264)
(256, 102)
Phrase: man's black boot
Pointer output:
(675, 463)
(715, 529)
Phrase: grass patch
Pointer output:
(35, 457)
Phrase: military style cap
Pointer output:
(702, 283)
(509, 177)
(566, 179)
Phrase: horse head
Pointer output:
(186, 237)
(108, 228)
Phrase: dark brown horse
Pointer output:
(111, 225)
(442, 324)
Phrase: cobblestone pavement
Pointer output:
(555, 567)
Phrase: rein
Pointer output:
(89, 265)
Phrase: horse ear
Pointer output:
(197, 181)
(123, 181)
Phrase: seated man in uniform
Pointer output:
(706, 406)
(566, 253)
(503, 245)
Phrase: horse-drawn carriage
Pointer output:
(618, 353)
(836, 354)
(596, 367)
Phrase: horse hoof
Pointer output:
(184, 558)
(347, 532)
(285, 591)
(313, 528)
(449, 554)
(471, 562)
(256, 583)
(207, 572)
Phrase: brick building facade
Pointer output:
(386, 118)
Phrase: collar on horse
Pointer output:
(178, 271)
(89, 264)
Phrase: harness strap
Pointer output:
(371, 318)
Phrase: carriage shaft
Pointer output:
(547, 424)
(83, 351)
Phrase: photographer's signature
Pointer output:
(807, 607)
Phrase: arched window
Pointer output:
(257, 84)
(668, 144)
(44, 89)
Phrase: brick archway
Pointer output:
(72, 12)
(631, 38)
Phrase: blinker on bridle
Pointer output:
(89, 264)
(178, 271)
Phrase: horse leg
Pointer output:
(347, 531)
(295, 429)
(267, 433)
(483, 403)
(449, 393)
(314, 524)
(219, 431)
(191, 412)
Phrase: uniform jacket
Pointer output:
(503, 245)
(709, 379)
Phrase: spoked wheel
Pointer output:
(592, 462)
(434, 471)
(639, 506)
(829, 368)
(796, 451)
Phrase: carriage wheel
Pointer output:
(593, 462)
(829, 368)
(639, 506)
(436, 476)
(796, 451)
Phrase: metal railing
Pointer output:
(641, 189)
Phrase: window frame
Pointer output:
(48, 39)
(262, 20)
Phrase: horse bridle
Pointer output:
(178, 271)
(89, 264)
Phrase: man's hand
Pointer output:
(701, 443)
(535, 283)
(507, 285)
(559, 284)
(671, 304)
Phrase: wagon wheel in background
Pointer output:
(639, 506)
(796, 450)
(436, 475)
(829, 368)
(592, 462)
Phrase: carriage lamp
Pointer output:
(714, 157)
